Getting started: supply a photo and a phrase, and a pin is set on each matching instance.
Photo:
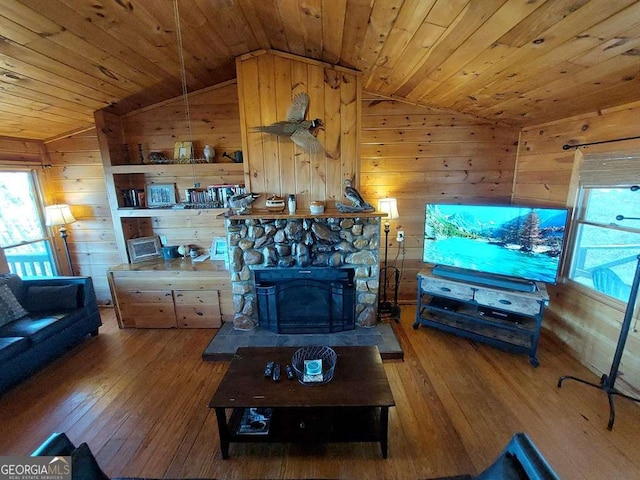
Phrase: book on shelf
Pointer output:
(213, 196)
(220, 194)
(255, 421)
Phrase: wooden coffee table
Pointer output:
(352, 407)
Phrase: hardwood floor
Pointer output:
(139, 399)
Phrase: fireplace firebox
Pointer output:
(312, 300)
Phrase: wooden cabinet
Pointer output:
(503, 318)
(169, 294)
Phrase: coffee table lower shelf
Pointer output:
(310, 424)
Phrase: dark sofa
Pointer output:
(60, 312)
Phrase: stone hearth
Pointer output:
(266, 241)
(227, 339)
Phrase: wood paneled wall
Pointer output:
(420, 155)
(20, 150)
(215, 120)
(581, 319)
(267, 82)
(76, 177)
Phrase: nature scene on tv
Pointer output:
(516, 241)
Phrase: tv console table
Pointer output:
(503, 318)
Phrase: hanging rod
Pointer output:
(566, 146)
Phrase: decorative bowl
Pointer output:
(305, 361)
(275, 204)
(316, 207)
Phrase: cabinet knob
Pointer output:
(445, 289)
(504, 302)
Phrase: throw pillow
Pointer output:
(14, 282)
(10, 308)
(52, 297)
(84, 465)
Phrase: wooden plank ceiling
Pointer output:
(521, 62)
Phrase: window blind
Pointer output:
(610, 169)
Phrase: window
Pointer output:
(23, 236)
(606, 226)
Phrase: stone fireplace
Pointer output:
(315, 274)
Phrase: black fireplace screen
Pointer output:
(314, 300)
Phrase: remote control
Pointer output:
(268, 370)
(276, 372)
(289, 370)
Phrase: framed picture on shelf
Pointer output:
(161, 195)
(219, 250)
(144, 248)
(183, 151)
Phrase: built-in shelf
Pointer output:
(174, 167)
(167, 212)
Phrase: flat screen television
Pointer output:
(504, 240)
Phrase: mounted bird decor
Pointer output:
(302, 132)
(358, 203)
(241, 203)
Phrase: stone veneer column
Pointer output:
(256, 243)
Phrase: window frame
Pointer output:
(581, 185)
(47, 239)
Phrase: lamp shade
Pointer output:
(58, 215)
(389, 206)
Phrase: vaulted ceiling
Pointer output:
(521, 62)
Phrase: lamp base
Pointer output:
(64, 235)
(390, 280)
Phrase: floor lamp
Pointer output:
(607, 382)
(387, 307)
(59, 216)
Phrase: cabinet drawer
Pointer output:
(147, 309)
(508, 302)
(197, 309)
(445, 288)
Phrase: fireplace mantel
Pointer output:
(329, 213)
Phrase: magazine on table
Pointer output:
(255, 421)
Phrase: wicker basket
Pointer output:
(326, 355)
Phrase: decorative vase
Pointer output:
(209, 153)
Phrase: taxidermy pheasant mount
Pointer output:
(302, 132)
